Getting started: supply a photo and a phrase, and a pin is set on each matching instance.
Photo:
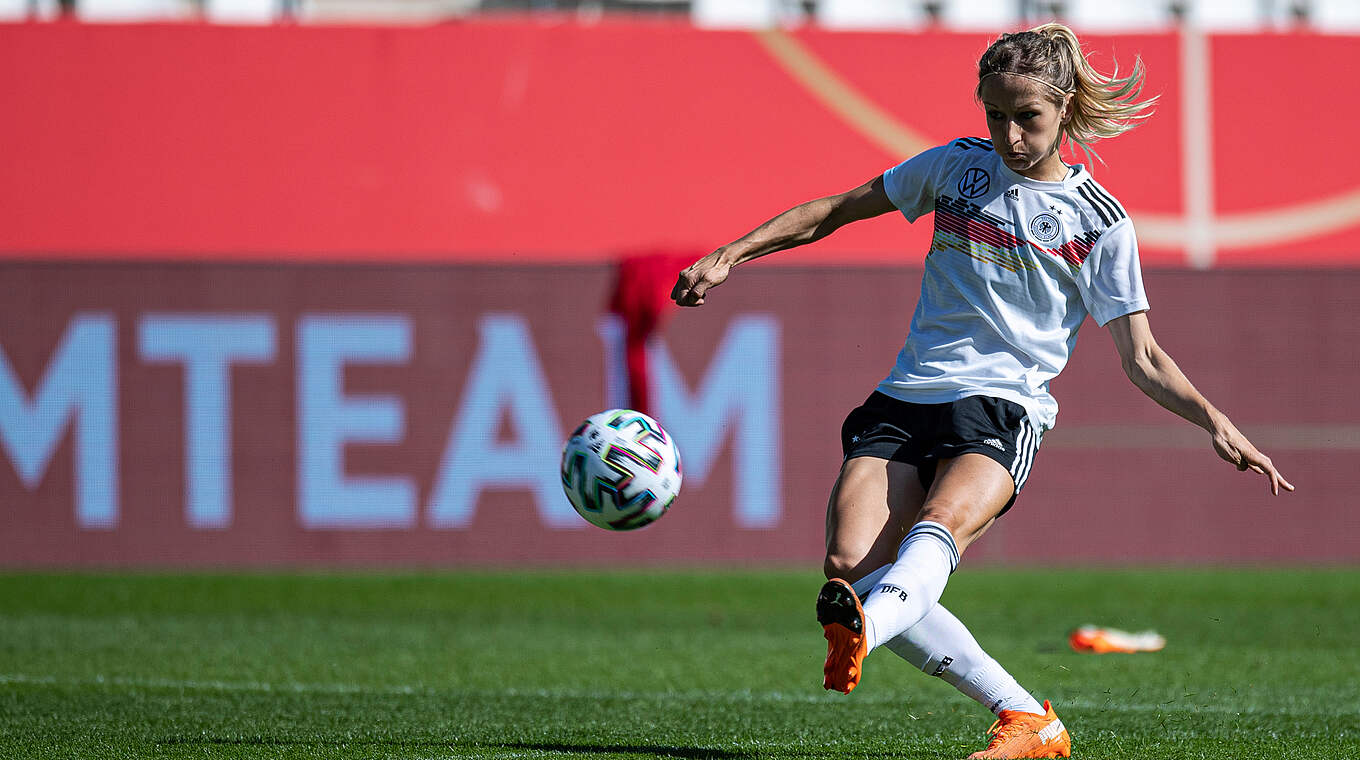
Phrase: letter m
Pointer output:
(739, 394)
(78, 385)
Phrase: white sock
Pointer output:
(941, 646)
(912, 585)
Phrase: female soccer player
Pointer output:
(1025, 247)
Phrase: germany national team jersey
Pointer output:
(1014, 268)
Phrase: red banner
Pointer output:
(526, 141)
(307, 295)
(229, 415)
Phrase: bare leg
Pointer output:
(872, 505)
(968, 493)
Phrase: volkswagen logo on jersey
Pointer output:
(974, 182)
(1044, 227)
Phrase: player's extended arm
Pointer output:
(1152, 370)
(799, 225)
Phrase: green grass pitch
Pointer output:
(643, 664)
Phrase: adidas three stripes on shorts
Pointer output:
(922, 434)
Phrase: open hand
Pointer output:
(1235, 449)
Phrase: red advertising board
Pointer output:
(217, 414)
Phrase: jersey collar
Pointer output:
(1075, 177)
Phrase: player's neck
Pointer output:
(1051, 169)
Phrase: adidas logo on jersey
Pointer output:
(996, 444)
(1013, 194)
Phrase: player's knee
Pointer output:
(833, 566)
(842, 565)
(944, 512)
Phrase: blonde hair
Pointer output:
(1103, 106)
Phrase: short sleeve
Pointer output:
(1111, 279)
(911, 184)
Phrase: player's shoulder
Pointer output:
(959, 149)
(965, 151)
(956, 155)
(965, 144)
(940, 161)
(1102, 208)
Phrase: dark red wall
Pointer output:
(1118, 480)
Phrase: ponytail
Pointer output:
(1102, 105)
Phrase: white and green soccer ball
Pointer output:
(621, 470)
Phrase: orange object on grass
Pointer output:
(1090, 638)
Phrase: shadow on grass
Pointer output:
(283, 741)
(688, 753)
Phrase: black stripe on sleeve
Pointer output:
(972, 142)
(1109, 201)
(1104, 200)
(1086, 193)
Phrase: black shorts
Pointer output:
(922, 434)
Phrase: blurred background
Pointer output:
(988, 15)
(328, 282)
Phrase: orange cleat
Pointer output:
(842, 617)
(1089, 638)
(1018, 734)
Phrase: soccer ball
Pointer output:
(620, 470)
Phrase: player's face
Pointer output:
(1025, 125)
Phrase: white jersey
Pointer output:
(1014, 268)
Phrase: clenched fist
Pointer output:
(695, 280)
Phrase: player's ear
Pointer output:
(1068, 106)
